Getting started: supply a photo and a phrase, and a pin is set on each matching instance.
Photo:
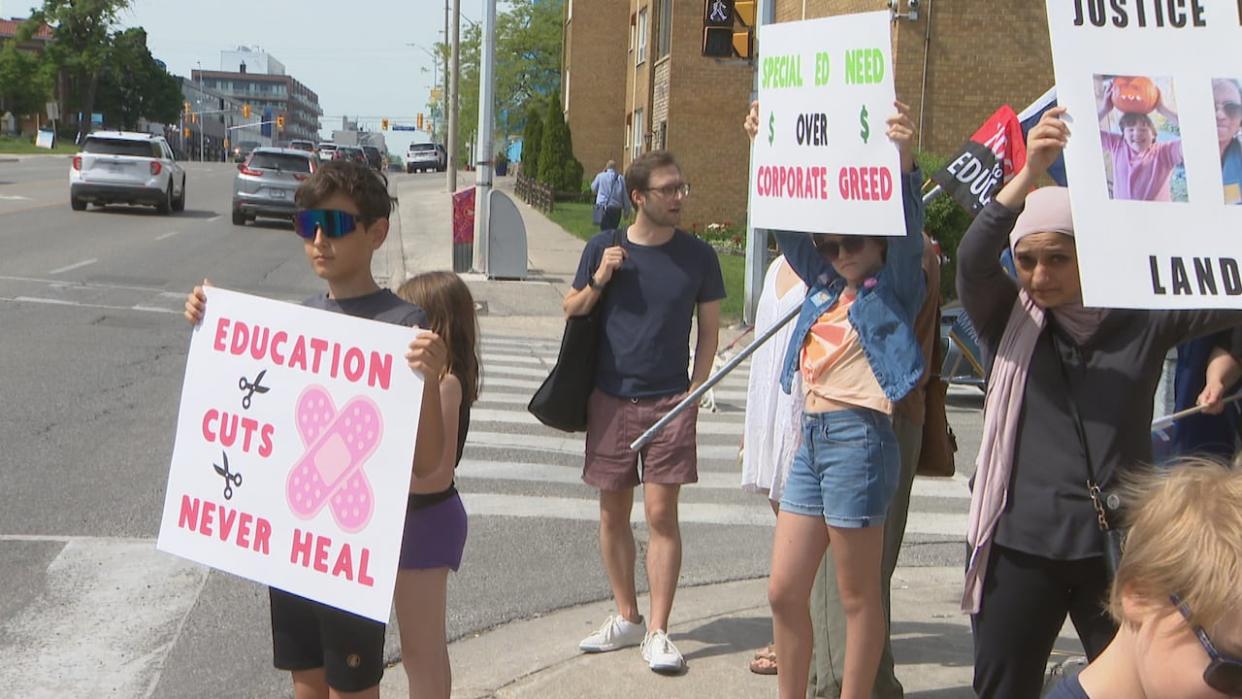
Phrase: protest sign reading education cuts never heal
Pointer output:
(822, 161)
(1154, 159)
(295, 439)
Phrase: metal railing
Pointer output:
(537, 194)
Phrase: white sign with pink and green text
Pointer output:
(822, 161)
(295, 442)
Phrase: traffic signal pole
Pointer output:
(452, 103)
(756, 238)
(483, 153)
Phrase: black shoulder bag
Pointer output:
(1114, 538)
(561, 401)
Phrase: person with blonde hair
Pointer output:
(1178, 592)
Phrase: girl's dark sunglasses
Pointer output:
(1223, 673)
(333, 223)
(831, 249)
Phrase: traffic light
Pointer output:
(245, 111)
(185, 132)
(728, 28)
(420, 121)
(194, 118)
(384, 124)
(185, 107)
(280, 121)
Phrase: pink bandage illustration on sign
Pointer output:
(337, 447)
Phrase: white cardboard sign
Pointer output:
(295, 442)
(1154, 161)
(822, 161)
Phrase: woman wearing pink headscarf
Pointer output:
(1069, 394)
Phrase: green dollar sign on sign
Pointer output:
(866, 128)
(771, 127)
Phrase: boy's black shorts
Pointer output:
(308, 635)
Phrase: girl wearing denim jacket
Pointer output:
(855, 349)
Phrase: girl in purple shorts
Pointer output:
(435, 521)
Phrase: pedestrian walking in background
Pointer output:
(611, 198)
(649, 288)
(1069, 401)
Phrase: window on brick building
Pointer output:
(642, 37)
(639, 130)
(661, 137)
(663, 27)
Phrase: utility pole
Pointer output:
(483, 156)
(453, 99)
(756, 238)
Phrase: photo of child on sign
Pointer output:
(1227, 98)
(1141, 138)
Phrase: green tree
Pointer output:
(532, 142)
(81, 40)
(25, 80)
(557, 165)
(132, 86)
(528, 58)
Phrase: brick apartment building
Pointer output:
(958, 61)
(595, 40)
(255, 78)
(673, 98)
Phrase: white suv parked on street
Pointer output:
(121, 167)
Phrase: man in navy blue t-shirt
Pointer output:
(649, 287)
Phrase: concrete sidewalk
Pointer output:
(717, 627)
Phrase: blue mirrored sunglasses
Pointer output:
(1223, 673)
(333, 223)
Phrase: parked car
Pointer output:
(351, 153)
(326, 151)
(298, 144)
(374, 157)
(426, 156)
(122, 167)
(243, 149)
(265, 183)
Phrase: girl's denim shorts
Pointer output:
(846, 470)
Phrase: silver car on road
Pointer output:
(265, 183)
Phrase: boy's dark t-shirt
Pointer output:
(1068, 688)
(646, 312)
(382, 305)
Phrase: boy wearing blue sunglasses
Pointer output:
(1178, 592)
(342, 218)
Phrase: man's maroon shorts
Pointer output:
(614, 423)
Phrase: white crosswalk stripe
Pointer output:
(508, 445)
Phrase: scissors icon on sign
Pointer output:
(252, 388)
(230, 479)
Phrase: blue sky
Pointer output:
(353, 54)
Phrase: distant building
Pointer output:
(592, 63)
(266, 92)
(210, 132)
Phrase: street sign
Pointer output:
(53, 110)
(404, 127)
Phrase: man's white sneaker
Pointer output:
(617, 632)
(660, 653)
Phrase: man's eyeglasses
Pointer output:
(1223, 673)
(672, 190)
(831, 249)
(333, 223)
(1233, 110)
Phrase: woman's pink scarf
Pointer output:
(1047, 210)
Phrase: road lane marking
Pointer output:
(103, 624)
(950, 525)
(706, 425)
(572, 446)
(62, 302)
(213, 219)
(167, 235)
(75, 265)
